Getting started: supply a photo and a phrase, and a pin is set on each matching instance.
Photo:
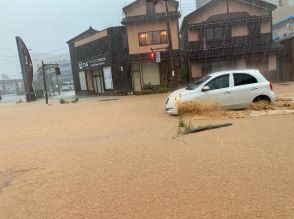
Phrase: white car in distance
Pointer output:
(234, 89)
(67, 86)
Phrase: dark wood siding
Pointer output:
(115, 48)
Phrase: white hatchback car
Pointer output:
(234, 89)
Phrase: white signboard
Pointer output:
(158, 58)
(108, 78)
(92, 63)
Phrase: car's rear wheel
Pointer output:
(262, 98)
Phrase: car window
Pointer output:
(243, 79)
(197, 83)
(219, 82)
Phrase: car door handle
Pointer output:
(254, 88)
(227, 92)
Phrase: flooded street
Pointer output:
(11, 98)
(123, 159)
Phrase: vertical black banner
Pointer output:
(26, 68)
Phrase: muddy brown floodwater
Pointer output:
(123, 159)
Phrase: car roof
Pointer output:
(249, 71)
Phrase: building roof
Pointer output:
(125, 9)
(285, 20)
(258, 3)
(230, 20)
(153, 18)
(89, 32)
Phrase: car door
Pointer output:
(245, 89)
(219, 91)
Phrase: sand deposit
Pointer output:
(122, 159)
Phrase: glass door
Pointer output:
(98, 82)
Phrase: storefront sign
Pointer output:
(95, 62)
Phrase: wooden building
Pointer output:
(287, 58)
(230, 34)
(147, 30)
(100, 63)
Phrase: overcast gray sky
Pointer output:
(46, 25)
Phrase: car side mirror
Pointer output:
(205, 88)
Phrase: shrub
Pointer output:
(20, 92)
(164, 90)
(182, 126)
(148, 91)
(75, 100)
(63, 101)
(39, 93)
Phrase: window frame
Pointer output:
(225, 75)
(244, 84)
(152, 33)
(254, 29)
(225, 31)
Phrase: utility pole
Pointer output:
(228, 8)
(45, 86)
(170, 43)
(169, 38)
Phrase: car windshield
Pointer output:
(197, 83)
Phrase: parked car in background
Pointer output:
(67, 86)
(234, 89)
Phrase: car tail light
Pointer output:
(271, 85)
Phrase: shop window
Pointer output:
(89, 80)
(83, 83)
(151, 76)
(152, 38)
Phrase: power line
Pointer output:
(52, 51)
